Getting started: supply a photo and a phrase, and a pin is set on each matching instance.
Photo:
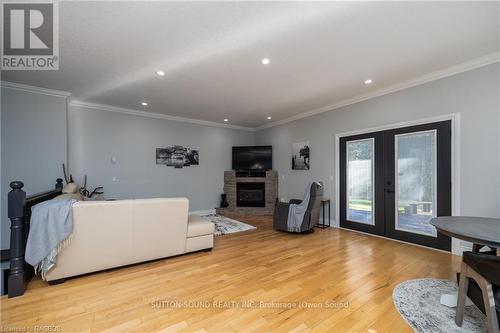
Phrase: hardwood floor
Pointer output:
(356, 271)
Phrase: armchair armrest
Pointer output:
(280, 218)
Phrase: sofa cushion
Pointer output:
(159, 227)
(198, 226)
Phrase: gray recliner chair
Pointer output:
(311, 217)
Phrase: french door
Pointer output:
(393, 182)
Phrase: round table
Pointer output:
(480, 231)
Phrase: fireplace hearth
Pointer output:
(251, 194)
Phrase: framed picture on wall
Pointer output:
(177, 156)
(301, 156)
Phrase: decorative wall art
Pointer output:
(177, 156)
(300, 156)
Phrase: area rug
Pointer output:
(418, 303)
(224, 225)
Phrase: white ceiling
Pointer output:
(321, 53)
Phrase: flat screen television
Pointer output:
(253, 158)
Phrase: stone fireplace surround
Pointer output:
(232, 178)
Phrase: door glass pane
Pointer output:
(360, 203)
(416, 182)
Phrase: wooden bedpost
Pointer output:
(16, 212)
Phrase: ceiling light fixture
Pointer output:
(368, 81)
(144, 104)
(226, 120)
(160, 73)
(269, 118)
(266, 61)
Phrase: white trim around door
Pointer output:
(456, 246)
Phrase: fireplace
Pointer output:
(250, 194)
(245, 197)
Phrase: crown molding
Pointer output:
(463, 67)
(104, 107)
(33, 89)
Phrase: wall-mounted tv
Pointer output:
(253, 158)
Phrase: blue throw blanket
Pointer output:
(296, 212)
(50, 232)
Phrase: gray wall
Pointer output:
(95, 136)
(39, 124)
(473, 94)
(33, 133)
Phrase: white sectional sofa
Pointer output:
(108, 234)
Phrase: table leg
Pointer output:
(323, 208)
(329, 217)
(322, 224)
(450, 300)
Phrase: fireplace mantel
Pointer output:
(232, 178)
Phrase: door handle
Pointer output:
(390, 191)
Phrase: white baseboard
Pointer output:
(203, 212)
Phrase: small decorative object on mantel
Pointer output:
(223, 201)
(300, 156)
(177, 156)
(71, 187)
(96, 194)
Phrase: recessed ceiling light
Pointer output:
(368, 81)
(144, 104)
(269, 118)
(160, 73)
(266, 61)
(226, 120)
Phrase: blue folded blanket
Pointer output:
(50, 232)
(296, 212)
